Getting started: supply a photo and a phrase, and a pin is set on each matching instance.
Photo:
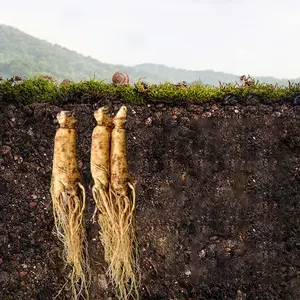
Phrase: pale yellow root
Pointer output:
(117, 221)
(100, 149)
(123, 268)
(68, 199)
(115, 202)
(118, 154)
(123, 261)
(100, 169)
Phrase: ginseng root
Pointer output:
(68, 198)
(115, 202)
(100, 169)
(123, 262)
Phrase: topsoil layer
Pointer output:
(218, 201)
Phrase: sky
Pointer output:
(256, 37)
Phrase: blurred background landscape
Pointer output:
(26, 56)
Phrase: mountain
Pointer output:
(25, 55)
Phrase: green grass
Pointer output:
(44, 89)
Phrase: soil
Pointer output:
(218, 201)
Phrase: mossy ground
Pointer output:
(46, 89)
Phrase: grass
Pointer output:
(46, 89)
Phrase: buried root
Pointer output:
(70, 228)
(116, 217)
(69, 204)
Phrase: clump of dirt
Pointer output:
(218, 198)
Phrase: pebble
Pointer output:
(187, 272)
(182, 177)
(4, 150)
(214, 107)
(195, 109)
(30, 132)
(174, 117)
(207, 114)
(239, 295)
(160, 105)
(32, 204)
(148, 121)
(22, 274)
(184, 120)
(236, 111)
(196, 117)
(202, 253)
(296, 100)
(80, 164)
(18, 158)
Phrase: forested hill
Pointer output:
(24, 55)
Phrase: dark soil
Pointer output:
(218, 211)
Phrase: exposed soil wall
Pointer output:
(218, 201)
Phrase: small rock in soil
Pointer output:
(214, 107)
(202, 253)
(148, 121)
(206, 114)
(18, 158)
(296, 100)
(22, 274)
(30, 132)
(80, 164)
(195, 109)
(32, 204)
(240, 295)
(4, 150)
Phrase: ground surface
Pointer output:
(218, 192)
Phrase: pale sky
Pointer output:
(256, 37)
